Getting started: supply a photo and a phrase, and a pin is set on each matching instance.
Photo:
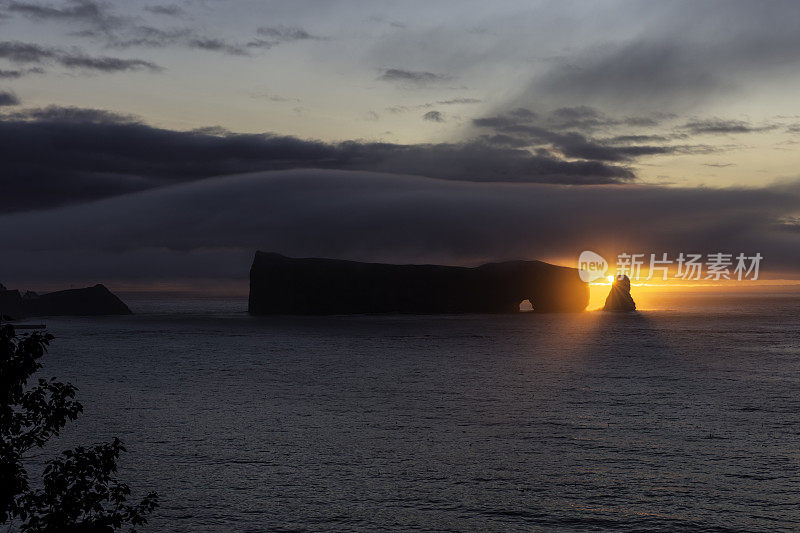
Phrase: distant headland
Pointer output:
(284, 285)
(95, 300)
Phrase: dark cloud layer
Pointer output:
(8, 98)
(58, 155)
(217, 45)
(433, 116)
(412, 76)
(282, 33)
(13, 74)
(556, 131)
(22, 53)
(271, 36)
(99, 22)
(719, 126)
(210, 228)
(18, 52)
(78, 10)
(142, 35)
(107, 64)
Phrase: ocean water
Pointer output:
(684, 418)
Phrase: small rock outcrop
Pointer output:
(284, 285)
(96, 300)
(620, 299)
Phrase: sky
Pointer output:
(147, 144)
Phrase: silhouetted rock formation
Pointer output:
(96, 300)
(283, 285)
(10, 304)
(620, 299)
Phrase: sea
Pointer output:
(684, 417)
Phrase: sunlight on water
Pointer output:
(518, 422)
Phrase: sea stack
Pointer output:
(619, 299)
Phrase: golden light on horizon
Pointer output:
(658, 294)
(597, 296)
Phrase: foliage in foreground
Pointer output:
(79, 492)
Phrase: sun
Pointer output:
(610, 279)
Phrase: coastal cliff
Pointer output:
(95, 300)
(284, 285)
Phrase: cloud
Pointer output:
(77, 9)
(412, 76)
(8, 99)
(628, 71)
(261, 43)
(523, 127)
(107, 64)
(500, 139)
(68, 114)
(723, 127)
(99, 23)
(433, 116)
(14, 74)
(453, 101)
(171, 10)
(276, 97)
(210, 228)
(587, 119)
(282, 34)
(91, 14)
(142, 35)
(151, 37)
(581, 117)
(391, 23)
(147, 36)
(217, 45)
(56, 155)
(459, 101)
(18, 52)
(132, 35)
(628, 139)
